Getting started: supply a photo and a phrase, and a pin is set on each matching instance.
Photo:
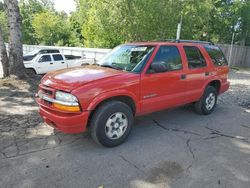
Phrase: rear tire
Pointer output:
(208, 101)
(111, 123)
(31, 71)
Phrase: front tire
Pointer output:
(111, 123)
(208, 101)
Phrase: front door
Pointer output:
(44, 64)
(165, 89)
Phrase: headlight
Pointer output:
(65, 97)
(66, 102)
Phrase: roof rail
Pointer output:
(195, 41)
(185, 41)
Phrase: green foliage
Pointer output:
(4, 25)
(245, 23)
(99, 23)
(28, 9)
(51, 28)
(111, 22)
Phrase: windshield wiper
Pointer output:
(112, 67)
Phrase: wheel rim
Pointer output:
(116, 125)
(210, 101)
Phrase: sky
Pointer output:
(65, 5)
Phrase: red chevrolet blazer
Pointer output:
(132, 80)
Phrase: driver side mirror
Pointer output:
(158, 66)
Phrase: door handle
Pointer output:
(183, 76)
(206, 73)
(51, 63)
(62, 62)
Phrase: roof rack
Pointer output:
(195, 41)
(185, 41)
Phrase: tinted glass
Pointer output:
(48, 51)
(45, 58)
(216, 55)
(194, 57)
(57, 57)
(53, 51)
(170, 56)
(129, 58)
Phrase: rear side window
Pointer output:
(45, 58)
(57, 57)
(194, 57)
(170, 56)
(216, 55)
(53, 51)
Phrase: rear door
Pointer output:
(165, 89)
(197, 73)
(59, 62)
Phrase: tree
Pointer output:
(245, 23)
(16, 66)
(3, 56)
(28, 9)
(51, 28)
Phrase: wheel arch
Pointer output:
(130, 101)
(216, 84)
(126, 97)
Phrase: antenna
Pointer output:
(178, 32)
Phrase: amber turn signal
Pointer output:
(67, 108)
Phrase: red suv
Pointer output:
(132, 80)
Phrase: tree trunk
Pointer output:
(15, 38)
(3, 56)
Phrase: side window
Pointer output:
(216, 55)
(43, 52)
(53, 51)
(194, 57)
(45, 58)
(57, 57)
(170, 57)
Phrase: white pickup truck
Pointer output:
(44, 63)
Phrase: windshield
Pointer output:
(33, 52)
(129, 58)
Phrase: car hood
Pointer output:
(70, 79)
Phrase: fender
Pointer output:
(115, 93)
(211, 80)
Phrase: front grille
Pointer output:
(47, 92)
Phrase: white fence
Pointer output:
(89, 53)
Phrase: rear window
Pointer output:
(194, 57)
(57, 57)
(48, 51)
(216, 55)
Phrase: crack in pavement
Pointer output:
(175, 130)
(220, 134)
(44, 149)
(245, 126)
(188, 145)
(130, 163)
(190, 148)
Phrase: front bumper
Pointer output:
(65, 122)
